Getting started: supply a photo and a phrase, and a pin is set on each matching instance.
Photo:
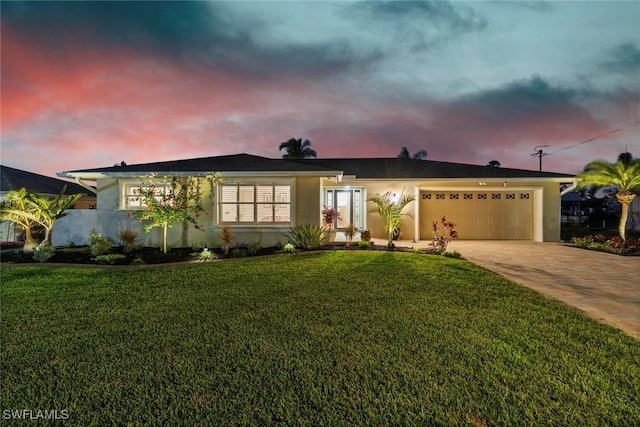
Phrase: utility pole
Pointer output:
(539, 153)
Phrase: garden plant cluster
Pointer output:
(615, 244)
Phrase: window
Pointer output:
(252, 204)
(132, 199)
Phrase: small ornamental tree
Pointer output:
(178, 202)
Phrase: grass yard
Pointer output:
(331, 338)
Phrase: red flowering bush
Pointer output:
(442, 238)
(616, 244)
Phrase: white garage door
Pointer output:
(479, 214)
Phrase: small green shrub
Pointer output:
(137, 261)
(453, 254)
(206, 255)
(289, 248)
(416, 249)
(109, 258)
(70, 245)
(364, 244)
(307, 237)
(127, 239)
(238, 253)
(43, 252)
(252, 248)
(99, 243)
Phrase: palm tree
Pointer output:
(18, 209)
(624, 176)
(418, 155)
(297, 149)
(389, 206)
(49, 210)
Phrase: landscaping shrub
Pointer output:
(238, 253)
(99, 243)
(206, 255)
(43, 252)
(252, 248)
(227, 237)
(127, 239)
(349, 232)
(441, 239)
(289, 248)
(364, 244)
(109, 258)
(615, 244)
(307, 237)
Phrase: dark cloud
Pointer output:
(524, 99)
(141, 25)
(196, 33)
(624, 58)
(419, 24)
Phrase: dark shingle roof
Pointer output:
(381, 168)
(231, 163)
(394, 168)
(14, 179)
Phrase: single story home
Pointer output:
(260, 198)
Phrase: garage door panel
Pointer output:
(479, 215)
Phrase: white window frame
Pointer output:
(276, 203)
(128, 194)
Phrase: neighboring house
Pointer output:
(12, 179)
(262, 198)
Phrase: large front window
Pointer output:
(255, 204)
(349, 204)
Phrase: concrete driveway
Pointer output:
(604, 286)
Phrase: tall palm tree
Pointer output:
(389, 206)
(297, 149)
(624, 176)
(18, 209)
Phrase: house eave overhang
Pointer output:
(227, 174)
(500, 180)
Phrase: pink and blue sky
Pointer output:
(90, 84)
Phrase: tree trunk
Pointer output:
(48, 236)
(625, 198)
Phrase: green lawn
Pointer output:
(333, 338)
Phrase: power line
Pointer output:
(593, 139)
